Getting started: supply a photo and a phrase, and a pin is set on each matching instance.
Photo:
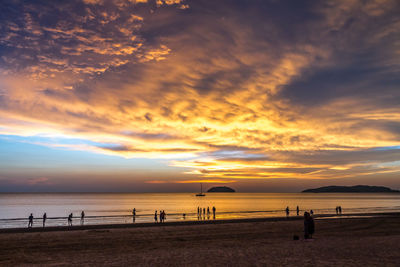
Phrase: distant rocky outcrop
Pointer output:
(221, 189)
(351, 189)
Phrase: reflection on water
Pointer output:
(117, 208)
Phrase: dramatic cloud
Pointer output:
(224, 89)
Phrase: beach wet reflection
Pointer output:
(117, 208)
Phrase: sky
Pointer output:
(161, 95)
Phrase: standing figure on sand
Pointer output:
(287, 211)
(134, 215)
(155, 217)
(309, 226)
(297, 210)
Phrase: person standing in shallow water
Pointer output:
(82, 217)
(44, 219)
(155, 217)
(70, 220)
(213, 209)
(287, 211)
(30, 221)
(297, 210)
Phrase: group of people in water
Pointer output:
(44, 219)
(203, 212)
(287, 210)
(162, 215)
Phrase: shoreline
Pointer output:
(195, 222)
(344, 241)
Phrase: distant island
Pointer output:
(351, 189)
(221, 189)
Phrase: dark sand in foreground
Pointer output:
(337, 242)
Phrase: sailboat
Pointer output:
(201, 192)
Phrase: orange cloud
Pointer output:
(209, 96)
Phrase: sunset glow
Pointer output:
(129, 95)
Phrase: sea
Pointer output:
(116, 208)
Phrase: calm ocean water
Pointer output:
(117, 208)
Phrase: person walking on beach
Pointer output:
(82, 217)
(30, 221)
(44, 219)
(340, 210)
(287, 211)
(213, 209)
(204, 213)
(297, 210)
(198, 211)
(70, 220)
(155, 217)
(311, 212)
(134, 215)
(309, 226)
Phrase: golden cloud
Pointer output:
(207, 97)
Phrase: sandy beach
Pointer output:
(337, 242)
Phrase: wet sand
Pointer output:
(337, 242)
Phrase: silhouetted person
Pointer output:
(44, 219)
(164, 215)
(287, 211)
(337, 210)
(204, 212)
(184, 216)
(134, 215)
(340, 210)
(155, 217)
(70, 220)
(82, 217)
(198, 211)
(308, 226)
(208, 211)
(30, 221)
(311, 212)
(213, 209)
(297, 210)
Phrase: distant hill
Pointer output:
(351, 189)
(221, 189)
